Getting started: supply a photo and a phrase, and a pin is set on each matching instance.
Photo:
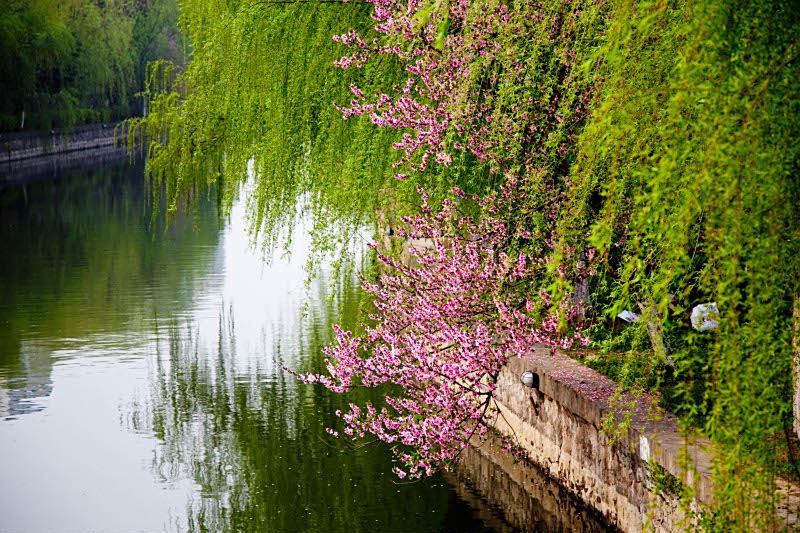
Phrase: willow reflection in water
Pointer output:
(251, 436)
(84, 270)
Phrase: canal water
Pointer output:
(142, 384)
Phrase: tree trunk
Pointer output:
(581, 297)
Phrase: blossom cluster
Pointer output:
(465, 64)
(445, 323)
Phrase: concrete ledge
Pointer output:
(58, 166)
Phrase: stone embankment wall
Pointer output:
(15, 147)
(559, 424)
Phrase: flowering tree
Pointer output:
(443, 329)
(426, 106)
(445, 326)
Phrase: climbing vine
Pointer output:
(685, 184)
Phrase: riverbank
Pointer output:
(31, 155)
(30, 145)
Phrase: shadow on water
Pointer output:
(513, 495)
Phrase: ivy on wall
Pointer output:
(686, 190)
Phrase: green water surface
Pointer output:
(142, 384)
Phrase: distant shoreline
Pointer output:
(17, 146)
(23, 155)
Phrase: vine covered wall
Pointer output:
(686, 191)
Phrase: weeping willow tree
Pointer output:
(257, 100)
(686, 191)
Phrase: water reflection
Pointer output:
(253, 438)
(515, 495)
(85, 261)
(141, 382)
(32, 382)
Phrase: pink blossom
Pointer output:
(443, 330)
